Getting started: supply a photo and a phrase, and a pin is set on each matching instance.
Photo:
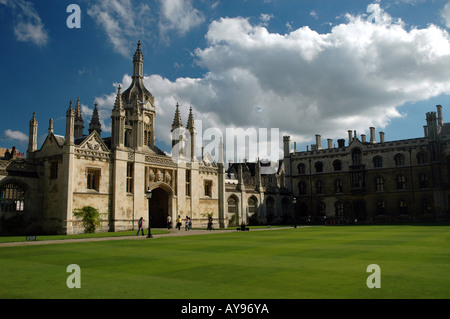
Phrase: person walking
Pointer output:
(140, 226)
(179, 222)
(169, 222)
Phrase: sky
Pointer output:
(300, 66)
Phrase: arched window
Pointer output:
(301, 169)
(377, 161)
(232, 205)
(319, 167)
(399, 160)
(337, 165)
(12, 198)
(252, 205)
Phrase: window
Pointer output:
(377, 161)
(322, 209)
(423, 180)
(339, 209)
(381, 207)
(301, 187)
(338, 186)
(357, 180)
(399, 160)
(356, 156)
(421, 158)
(379, 184)
(208, 188)
(337, 165)
(319, 167)
(426, 206)
(402, 207)
(232, 205)
(320, 187)
(252, 205)
(93, 179)
(301, 169)
(188, 182)
(12, 198)
(130, 173)
(401, 182)
(53, 170)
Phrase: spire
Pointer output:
(70, 121)
(79, 123)
(190, 124)
(177, 119)
(118, 105)
(95, 122)
(138, 62)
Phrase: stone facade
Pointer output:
(363, 180)
(371, 181)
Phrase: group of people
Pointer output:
(188, 224)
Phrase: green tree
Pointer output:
(90, 218)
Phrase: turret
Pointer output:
(32, 137)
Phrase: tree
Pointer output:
(90, 218)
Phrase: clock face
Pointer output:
(148, 120)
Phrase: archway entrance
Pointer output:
(159, 207)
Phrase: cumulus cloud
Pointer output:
(122, 22)
(179, 15)
(28, 26)
(305, 82)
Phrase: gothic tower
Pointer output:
(133, 117)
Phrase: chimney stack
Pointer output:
(330, 143)
(381, 137)
(350, 137)
(363, 138)
(372, 135)
(318, 142)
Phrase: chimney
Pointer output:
(439, 113)
(341, 143)
(318, 142)
(363, 138)
(350, 137)
(50, 126)
(381, 137)
(372, 135)
(295, 147)
(425, 131)
(330, 143)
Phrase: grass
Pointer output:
(317, 262)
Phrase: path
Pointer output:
(172, 233)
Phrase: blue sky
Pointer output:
(305, 67)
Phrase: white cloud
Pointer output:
(445, 13)
(122, 22)
(28, 26)
(179, 15)
(304, 82)
(16, 135)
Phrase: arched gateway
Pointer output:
(160, 204)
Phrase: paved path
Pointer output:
(172, 233)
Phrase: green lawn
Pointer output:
(317, 262)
